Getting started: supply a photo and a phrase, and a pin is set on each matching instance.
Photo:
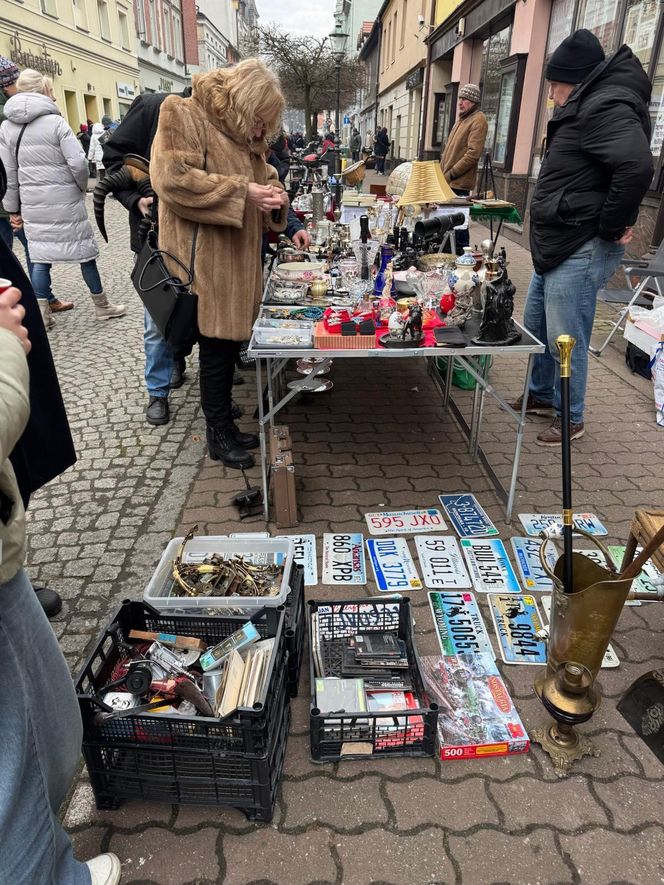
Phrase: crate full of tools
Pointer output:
(368, 698)
(187, 709)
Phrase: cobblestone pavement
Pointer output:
(379, 439)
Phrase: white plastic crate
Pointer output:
(258, 550)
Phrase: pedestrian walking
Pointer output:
(95, 153)
(84, 137)
(464, 148)
(381, 149)
(596, 170)
(355, 145)
(40, 727)
(47, 177)
(216, 197)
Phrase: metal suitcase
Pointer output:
(284, 500)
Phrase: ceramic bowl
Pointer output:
(300, 270)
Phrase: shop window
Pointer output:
(600, 17)
(657, 112)
(507, 114)
(104, 23)
(640, 29)
(495, 49)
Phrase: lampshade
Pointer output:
(426, 185)
(396, 183)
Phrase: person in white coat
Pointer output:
(47, 177)
(96, 149)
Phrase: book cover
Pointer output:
(476, 714)
(335, 695)
(396, 730)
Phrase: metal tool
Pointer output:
(565, 345)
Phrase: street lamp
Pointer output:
(338, 44)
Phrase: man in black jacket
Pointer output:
(596, 170)
(135, 136)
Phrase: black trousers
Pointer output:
(217, 358)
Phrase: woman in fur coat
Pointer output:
(209, 172)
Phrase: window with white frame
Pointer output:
(104, 23)
(80, 14)
(124, 27)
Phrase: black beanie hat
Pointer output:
(576, 57)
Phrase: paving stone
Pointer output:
(632, 802)
(267, 855)
(386, 857)
(602, 857)
(162, 856)
(523, 804)
(425, 800)
(342, 805)
(489, 857)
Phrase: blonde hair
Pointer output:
(242, 93)
(32, 81)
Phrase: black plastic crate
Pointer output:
(295, 628)
(189, 776)
(335, 735)
(247, 731)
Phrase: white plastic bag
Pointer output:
(656, 366)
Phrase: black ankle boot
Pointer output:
(223, 446)
(245, 440)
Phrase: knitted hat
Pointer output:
(106, 120)
(576, 57)
(8, 72)
(470, 92)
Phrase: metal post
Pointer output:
(565, 345)
(337, 68)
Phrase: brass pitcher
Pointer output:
(581, 626)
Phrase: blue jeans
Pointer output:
(41, 279)
(40, 736)
(562, 302)
(158, 360)
(8, 234)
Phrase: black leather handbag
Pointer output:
(169, 300)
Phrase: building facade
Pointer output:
(163, 56)
(369, 54)
(504, 46)
(86, 46)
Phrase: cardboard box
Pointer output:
(325, 340)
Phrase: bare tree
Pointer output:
(307, 70)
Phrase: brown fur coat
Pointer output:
(464, 149)
(200, 169)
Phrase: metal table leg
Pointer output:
(263, 442)
(447, 392)
(519, 441)
(474, 413)
(475, 436)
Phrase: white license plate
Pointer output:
(405, 522)
(459, 624)
(442, 563)
(527, 556)
(534, 523)
(343, 559)
(304, 554)
(489, 566)
(610, 659)
(644, 582)
(392, 564)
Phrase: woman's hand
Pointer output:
(266, 197)
(11, 316)
(15, 221)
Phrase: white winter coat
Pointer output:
(48, 186)
(96, 150)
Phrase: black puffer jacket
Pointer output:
(598, 163)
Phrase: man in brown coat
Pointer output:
(464, 148)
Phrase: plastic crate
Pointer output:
(265, 549)
(246, 731)
(295, 628)
(192, 777)
(336, 736)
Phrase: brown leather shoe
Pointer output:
(533, 406)
(57, 306)
(553, 436)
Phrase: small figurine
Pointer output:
(497, 326)
(413, 325)
(396, 324)
(464, 296)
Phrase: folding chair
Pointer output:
(648, 270)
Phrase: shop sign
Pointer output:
(125, 90)
(165, 85)
(43, 62)
(415, 79)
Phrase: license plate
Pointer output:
(610, 659)
(304, 554)
(527, 556)
(489, 566)
(517, 622)
(534, 523)
(403, 522)
(459, 624)
(393, 566)
(598, 557)
(343, 559)
(467, 516)
(644, 582)
(442, 563)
